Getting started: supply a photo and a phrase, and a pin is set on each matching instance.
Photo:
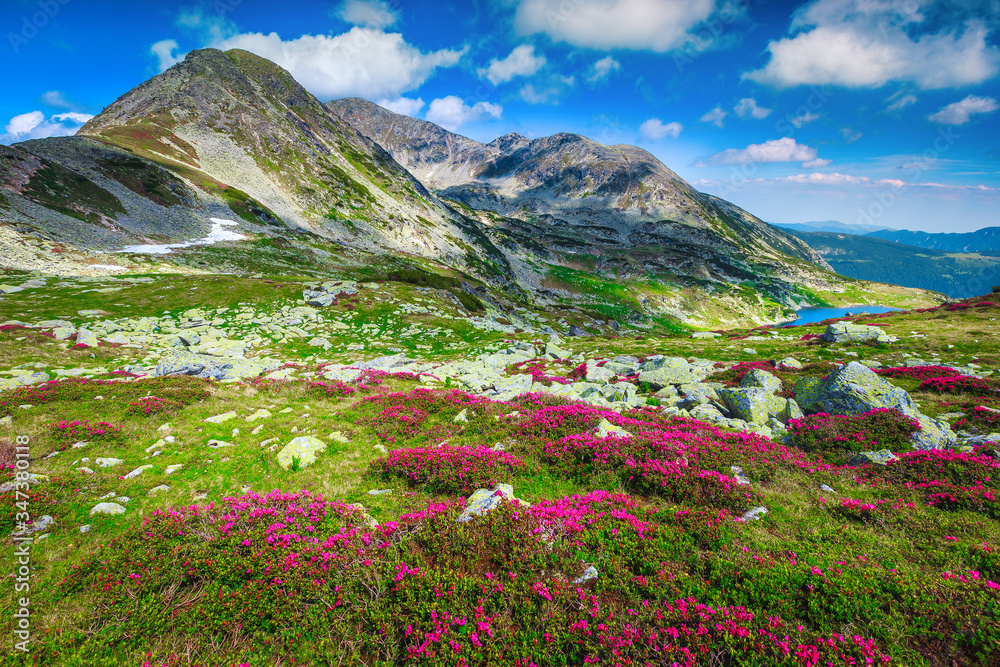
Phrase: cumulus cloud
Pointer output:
(363, 62)
(867, 43)
(657, 25)
(451, 112)
(748, 107)
(602, 70)
(654, 130)
(522, 61)
(785, 149)
(164, 52)
(960, 113)
(816, 164)
(403, 105)
(34, 125)
(715, 117)
(367, 13)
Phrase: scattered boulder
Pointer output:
(487, 500)
(753, 404)
(303, 448)
(224, 417)
(754, 514)
(873, 458)
(848, 332)
(138, 471)
(107, 508)
(854, 389)
(606, 428)
(86, 338)
(790, 362)
(761, 379)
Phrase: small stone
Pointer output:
(379, 492)
(219, 444)
(754, 514)
(158, 489)
(107, 508)
(171, 469)
(337, 436)
(303, 449)
(588, 574)
(85, 528)
(224, 417)
(461, 417)
(138, 471)
(259, 414)
(606, 428)
(107, 462)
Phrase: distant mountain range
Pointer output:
(831, 226)
(958, 275)
(349, 187)
(983, 240)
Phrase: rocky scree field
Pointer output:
(225, 470)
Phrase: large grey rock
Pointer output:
(854, 389)
(484, 501)
(667, 375)
(184, 362)
(86, 338)
(761, 379)
(107, 508)
(304, 448)
(847, 332)
(753, 404)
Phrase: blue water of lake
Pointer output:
(813, 315)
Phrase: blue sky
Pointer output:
(883, 112)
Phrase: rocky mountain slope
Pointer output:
(333, 189)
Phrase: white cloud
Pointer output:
(850, 136)
(522, 61)
(804, 119)
(785, 149)
(960, 113)
(715, 117)
(816, 164)
(34, 125)
(164, 52)
(657, 25)
(748, 107)
(403, 105)
(363, 62)
(602, 69)
(367, 13)
(867, 43)
(451, 112)
(55, 98)
(654, 130)
(901, 102)
(532, 95)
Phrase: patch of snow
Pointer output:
(216, 234)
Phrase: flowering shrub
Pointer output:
(980, 418)
(292, 574)
(732, 377)
(184, 390)
(975, 498)
(448, 469)
(960, 384)
(867, 512)
(933, 467)
(839, 434)
(151, 405)
(537, 369)
(68, 431)
(332, 388)
(921, 373)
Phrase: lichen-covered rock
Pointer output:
(672, 375)
(86, 338)
(606, 428)
(217, 368)
(762, 379)
(875, 458)
(303, 449)
(487, 500)
(854, 389)
(847, 332)
(107, 508)
(753, 404)
(790, 362)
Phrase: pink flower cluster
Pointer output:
(448, 469)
